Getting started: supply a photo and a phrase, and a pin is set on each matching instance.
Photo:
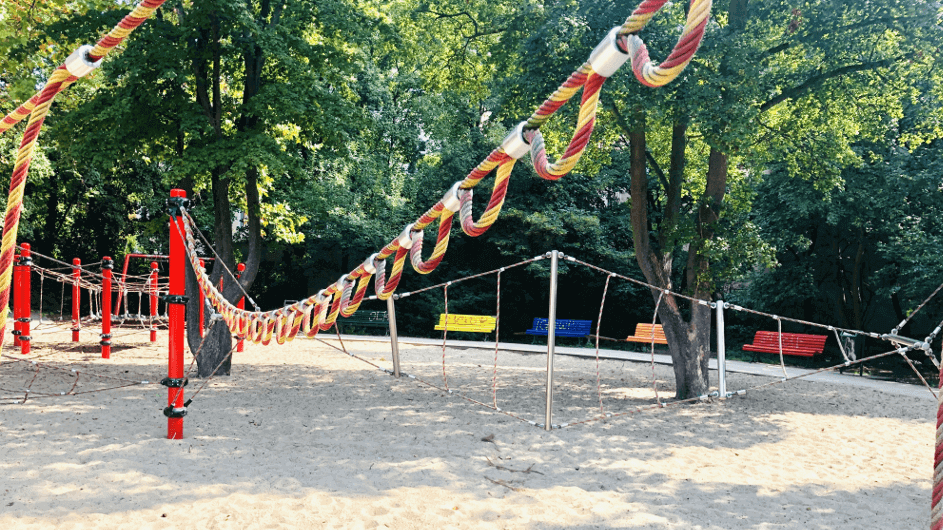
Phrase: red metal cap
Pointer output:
(178, 193)
(26, 248)
(153, 264)
(241, 267)
(106, 258)
(76, 261)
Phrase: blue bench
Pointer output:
(564, 328)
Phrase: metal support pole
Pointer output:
(394, 340)
(17, 300)
(107, 266)
(27, 263)
(153, 300)
(76, 298)
(241, 304)
(551, 337)
(721, 352)
(203, 303)
(176, 301)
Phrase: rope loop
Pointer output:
(646, 71)
(441, 245)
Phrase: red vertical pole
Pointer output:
(153, 297)
(76, 297)
(202, 304)
(241, 304)
(176, 300)
(107, 266)
(27, 263)
(17, 300)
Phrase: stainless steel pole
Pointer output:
(551, 337)
(394, 341)
(721, 352)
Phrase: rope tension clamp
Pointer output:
(78, 63)
(607, 57)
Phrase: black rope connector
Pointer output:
(108, 264)
(105, 336)
(25, 338)
(26, 262)
(175, 383)
(175, 204)
(24, 319)
(102, 343)
(75, 329)
(171, 412)
(16, 332)
(175, 298)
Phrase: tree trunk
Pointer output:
(688, 341)
(211, 350)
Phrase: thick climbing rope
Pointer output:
(80, 63)
(320, 311)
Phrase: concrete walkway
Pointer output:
(768, 370)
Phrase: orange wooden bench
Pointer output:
(794, 344)
(644, 332)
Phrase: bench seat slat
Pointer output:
(564, 327)
(794, 344)
(644, 332)
(467, 323)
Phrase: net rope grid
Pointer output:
(87, 282)
(659, 402)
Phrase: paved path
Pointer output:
(768, 370)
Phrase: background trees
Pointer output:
(796, 155)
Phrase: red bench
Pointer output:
(794, 344)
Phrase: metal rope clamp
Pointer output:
(105, 339)
(405, 239)
(607, 57)
(78, 63)
(176, 205)
(514, 144)
(451, 200)
(175, 383)
(369, 265)
(108, 264)
(172, 412)
(175, 299)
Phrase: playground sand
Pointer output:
(305, 436)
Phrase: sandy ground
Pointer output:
(304, 436)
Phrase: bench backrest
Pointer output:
(791, 340)
(645, 330)
(581, 327)
(459, 322)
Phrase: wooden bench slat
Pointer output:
(794, 344)
(564, 327)
(644, 332)
(469, 323)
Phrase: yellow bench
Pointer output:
(643, 333)
(472, 323)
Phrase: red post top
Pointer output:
(76, 262)
(106, 258)
(240, 268)
(178, 193)
(25, 250)
(154, 265)
(202, 263)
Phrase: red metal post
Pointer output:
(202, 303)
(26, 262)
(17, 300)
(175, 382)
(241, 304)
(107, 266)
(153, 297)
(76, 298)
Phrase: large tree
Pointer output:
(770, 82)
